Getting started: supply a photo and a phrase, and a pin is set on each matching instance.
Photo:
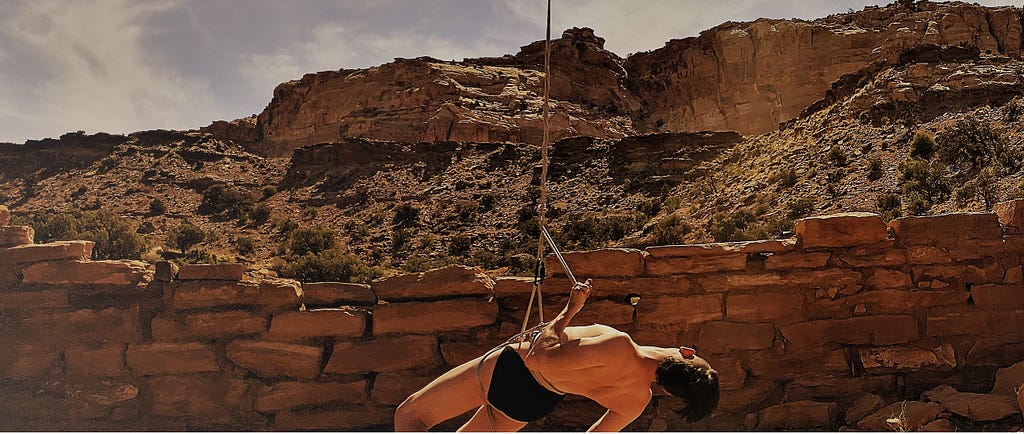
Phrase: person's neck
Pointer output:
(653, 356)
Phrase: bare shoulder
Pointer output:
(593, 331)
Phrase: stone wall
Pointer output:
(849, 323)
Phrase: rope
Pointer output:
(542, 208)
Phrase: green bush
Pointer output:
(185, 235)
(465, 209)
(460, 245)
(874, 169)
(917, 204)
(157, 207)
(923, 146)
(785, 178)
(650, 207)
(331, 265)
(114, 235)
(305, 241)
(260, 213)
(970, 145)
(589, 232)
(729, 227)
(223, 199)
(837, 157)
(801, 207)
(199, 256)
(981, 187)
(668, 231)
(245, 245)
(928, 179)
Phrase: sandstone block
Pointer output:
(670, 265)
(764, 307)
(872, 256)
(206, 294)
(448, 281)
(599, 263)
(1014, 275)
(162, 358)
(5, 215)
(280, 295)
(175, 396)
(957, 323)
(975, 406)
(1008, 379)
(797, 279)
(392, 389)
(29, 362)
(998, 296)
(434, 316)
(903, 416)
(16, 235)
(889, 360)
(863, 407)
(21, 301)
(874, 329)
(506, 286)
(715, 249)
(608, 312)
(797, 260)
(290, 394)
(841, 230)
(353, 418)
(946, 230)
(645, 286)
(883, 278)
(719, 336)
(233, 272)
(798, 415)
(47, 252)
(896, 301)
(166, 271)
(952, 273)
(334, 294)
(100, 362)
(672, 313)
(276, 359)
(926, 255)
(1011, 215)
(1020, 398)
(115, 273)
(384, 355)
(210, 325)
(318, 322)
(83, 326)
(731, 375)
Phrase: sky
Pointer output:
(120, 66)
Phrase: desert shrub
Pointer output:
(400, 240)
(928, 179)
(406, 215)
(114, 235)
(223, 199)
(922, 146)
(157, 207)
(874, 169)
(785, 178)
(269, 191)
(314, 240)
(801, 207)
(670, 230)
(837, 157)
(245, 245)
(916, 203)
(286, 226)
(199, 256)
(650, 207)
(970, 145)
(769, 227)
(465, 209)
(672, 204)
(588, 232)
(460, 245)
(331, 265)
(889, 206)
(260, 213)
(185, 235)
(729, 227)
(981, 187)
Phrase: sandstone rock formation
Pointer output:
(745, 77)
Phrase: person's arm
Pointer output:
(613, 421)
(554, 334)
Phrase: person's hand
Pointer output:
(578, 295)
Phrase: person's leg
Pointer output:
(496, 422)
(450, 395)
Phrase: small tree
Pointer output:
(185, 235)
(157, 207)
(923, 146)
(310, 240)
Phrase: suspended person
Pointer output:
(520, 382)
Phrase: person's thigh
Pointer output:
(495, 422)
(456, 392)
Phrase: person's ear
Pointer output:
(687, 352)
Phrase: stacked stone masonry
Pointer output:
(848, 320)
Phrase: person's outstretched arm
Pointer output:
(554, 334)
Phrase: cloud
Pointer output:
(85, 65)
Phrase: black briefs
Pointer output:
(516, 392)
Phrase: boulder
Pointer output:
(975, 406)
(903, 416)
(1008, 379)
(276, 359)
(434, 316)
(166, 271)
(16, 235)
(1011, 215)
(862, 407)
(799, 415)
(112, 273)
(300, 325)
(889, 360)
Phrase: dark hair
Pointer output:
(696, 385)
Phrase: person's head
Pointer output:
(691, 379)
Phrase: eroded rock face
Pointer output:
(745, 77)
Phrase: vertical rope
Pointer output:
(542, 208)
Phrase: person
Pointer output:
(523, 379)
